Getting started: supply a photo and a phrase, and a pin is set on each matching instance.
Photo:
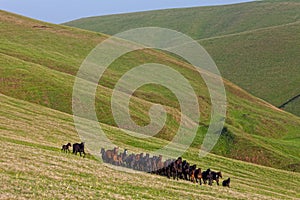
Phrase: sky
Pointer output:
(59, 11)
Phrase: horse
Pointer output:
(145, 163)
(129, 161)
(65, 148)
(111, 155)
(136, 160)
(226, 182)
(78, 148)
(198, 175)
(139, 162)
(186, 170)
(102, 152)
(207, 175)
(118, 160)
(177, 168)
(191, 173)
(153, 164)
(216, 176)
(168, 167)
(124, 155)
(159, 165)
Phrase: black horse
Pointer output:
(185, 170)
(176, 168)
(226, 182)
(207, 176)
(216, 176)
(78, 148)
(65, 148)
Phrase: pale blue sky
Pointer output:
(58, 11)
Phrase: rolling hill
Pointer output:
(39, 62)
(255, 45)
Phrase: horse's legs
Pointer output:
(210, 182)
(174, 175)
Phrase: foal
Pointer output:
(226, 182)
(65, 148)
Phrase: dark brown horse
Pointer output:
(78, 148)
(177, 168)
(192, 171)
(111, 155)
(198, 175)
(216, 176)
(65, 148)
(207, 176)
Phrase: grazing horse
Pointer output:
(198, 175)
(65, 148)
(78, 148)
(226, 182)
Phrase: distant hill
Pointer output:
(256, 45)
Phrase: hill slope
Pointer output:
(40, 170)
(255, 45)
(39, 61)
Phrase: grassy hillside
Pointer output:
(33, 167)
(39, 61)
(255, 45)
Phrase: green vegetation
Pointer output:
(39, 61)
(255, 45)
(33, 167)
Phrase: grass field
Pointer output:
(255, 45)
(33, 167)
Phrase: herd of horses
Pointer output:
(171, 168)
